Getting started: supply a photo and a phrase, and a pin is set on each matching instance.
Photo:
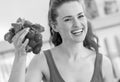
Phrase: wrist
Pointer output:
(20, 53)
(20, 56)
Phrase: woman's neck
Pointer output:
(72, 49)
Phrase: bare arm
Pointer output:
(115, 60)
(19, 65)
(18, 70)
(18, 73)
(107, 70)
(35, 69)
(116, 64)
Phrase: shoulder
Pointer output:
(106, 64)
(38, 60)
(107, 69)
(105, 60)
(39, 65)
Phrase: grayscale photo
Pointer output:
(59, 40)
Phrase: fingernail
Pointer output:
(27, 29)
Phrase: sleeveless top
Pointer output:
(55, 75)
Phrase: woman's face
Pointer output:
(71, 22)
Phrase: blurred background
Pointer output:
(103, 14)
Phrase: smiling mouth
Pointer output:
(77, 32)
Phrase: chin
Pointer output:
(78, 40)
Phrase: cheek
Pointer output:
(64, 28)
(85, 23)
(86, 28)
(64, 31)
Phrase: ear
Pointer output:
(55, 27)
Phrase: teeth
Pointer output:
(80, 30)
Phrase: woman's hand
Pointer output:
(19, 43)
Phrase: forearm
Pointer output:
(116, 62)
(18, 69)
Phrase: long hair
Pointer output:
(90, 42)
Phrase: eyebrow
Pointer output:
(71, 16)
(80, 13)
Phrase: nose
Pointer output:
(76, 23)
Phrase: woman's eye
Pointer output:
(80, 16)
(67, 20)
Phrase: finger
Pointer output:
(25, 43)
(20, 33)
(22, 37)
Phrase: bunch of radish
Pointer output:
(34, 35)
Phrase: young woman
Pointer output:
(75, 57)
